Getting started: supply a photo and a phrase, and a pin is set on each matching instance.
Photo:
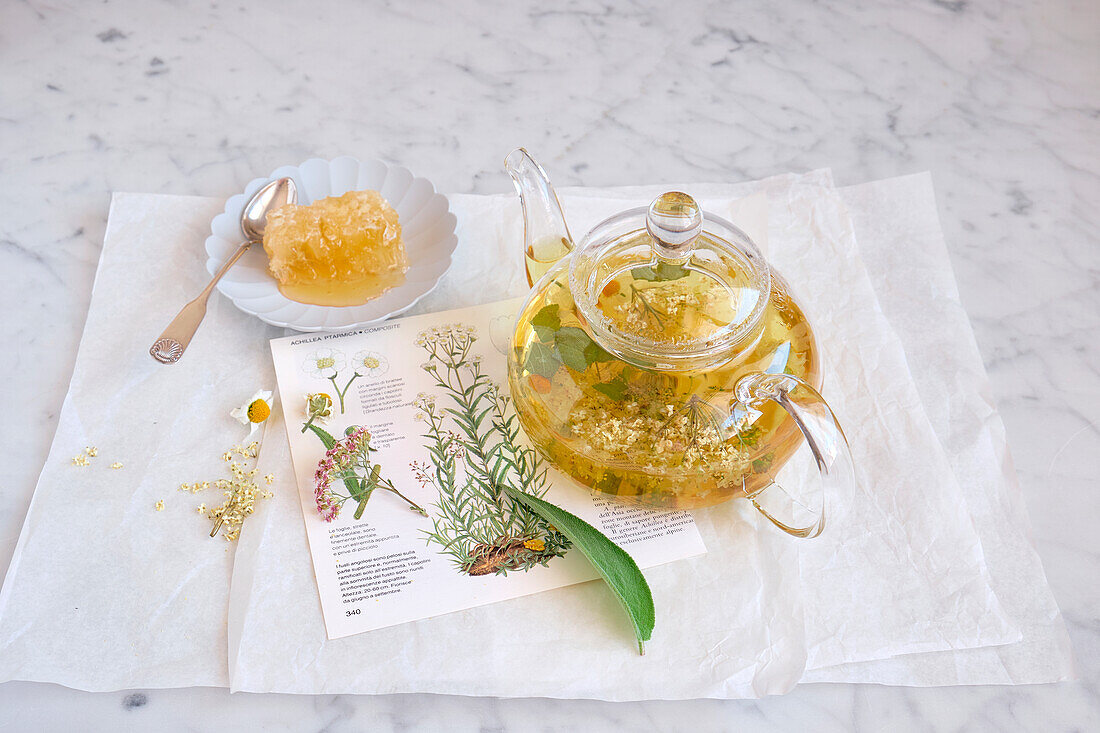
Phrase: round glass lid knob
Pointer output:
(674, 221)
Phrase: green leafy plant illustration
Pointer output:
(492, 517)
(479, 468)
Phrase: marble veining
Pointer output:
(999, 99)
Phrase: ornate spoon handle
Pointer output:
(170, 345)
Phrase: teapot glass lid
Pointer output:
(668, 284)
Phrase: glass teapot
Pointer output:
(662, 360)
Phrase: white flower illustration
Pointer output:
(370, 363)
(324, 363)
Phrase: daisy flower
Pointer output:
(254, 412)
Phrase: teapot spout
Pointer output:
(546, 237)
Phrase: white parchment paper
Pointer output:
(902, 246)
(900, 569)
(104, 593)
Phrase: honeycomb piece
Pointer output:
(340, 250)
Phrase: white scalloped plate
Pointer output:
(427, 229)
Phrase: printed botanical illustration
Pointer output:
(327, 364)
(476, 462)
(348, 461)
(370, 364)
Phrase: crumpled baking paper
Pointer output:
(902, 246)
(104, 593)
(903, 249)
(899, 570)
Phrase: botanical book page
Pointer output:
(399, 434)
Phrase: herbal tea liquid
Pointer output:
(652, 435)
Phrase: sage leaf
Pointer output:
(612, 562)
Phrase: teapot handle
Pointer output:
(819, 427)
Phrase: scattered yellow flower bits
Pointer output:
(269, 479)
(184, 487)
(160, 505)
(90, 452)
(240, 492)
(227, 456)
(201, 509)
(535, 545)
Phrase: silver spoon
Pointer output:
(170, 345)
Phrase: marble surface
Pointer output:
(1000, 100)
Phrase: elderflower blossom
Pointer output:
(688, 435)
